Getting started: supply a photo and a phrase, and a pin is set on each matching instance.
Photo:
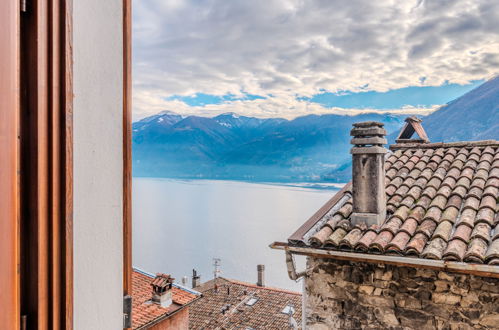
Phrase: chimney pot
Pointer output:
(368, 173)
(261, 275)
(196, 279)
(162, 290)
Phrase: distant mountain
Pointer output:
(309, 148)
(473, 116)
(231, 146)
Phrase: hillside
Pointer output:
(473, 116)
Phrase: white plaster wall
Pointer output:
(98, 244)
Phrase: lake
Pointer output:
(180, 225)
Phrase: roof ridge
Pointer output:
(143, 272)
(186, 289)
(431, 145)
(261, 287)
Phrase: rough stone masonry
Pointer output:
(353, 295)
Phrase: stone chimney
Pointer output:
(196, 279)
(261, 275)
(162, 290)
(368, 173)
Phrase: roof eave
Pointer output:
(451, 266)
(298, 235)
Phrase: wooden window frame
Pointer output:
(36, 170)
(9, 164)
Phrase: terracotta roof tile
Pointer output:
(475, 192)
(462, 232)
(491, 190)
(492, 251)
(471, 202)
(467, 218)
(443, 230)
(434, 249)
(417, 213)
(399, 242)
(486, 158)
(228, 307)
(442, 203)
(427, 227)
(417, 244)
(454, 201)
(321, 236)
(485, 215)
(455, 250)
(450, 214)
(351, 239)
(492, 182)
(495, 232)
(439, 201)
(488, 201)
(444, 191)
(401, 212)
(476, 251)
(334, 239)
(478, 182)
(366, 240)
(460, 190)
(381, 241)
(392, 225)
(409, 226)
(481, 230)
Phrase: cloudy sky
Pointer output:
(287, 58)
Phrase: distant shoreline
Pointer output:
(305, 184)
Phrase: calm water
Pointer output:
(181, 225)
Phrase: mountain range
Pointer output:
(308, 148)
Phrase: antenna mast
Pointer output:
(216, 271)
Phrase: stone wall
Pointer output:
(349, 295)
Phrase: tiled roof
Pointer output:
(442, 203)
(144, 312)
(230, 306)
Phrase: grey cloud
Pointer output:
(288, 47)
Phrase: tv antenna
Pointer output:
(216, 267)
(216, 271)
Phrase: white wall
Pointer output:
(98, 206)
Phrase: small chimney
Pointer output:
(261, 275)
(368, 173)
(162, 290)
(412, 125)
(196, 279)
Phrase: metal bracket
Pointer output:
(290, 263)
(127, 311)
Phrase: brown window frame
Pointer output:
(36, 172)
(9, 163)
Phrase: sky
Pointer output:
(288, 58)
